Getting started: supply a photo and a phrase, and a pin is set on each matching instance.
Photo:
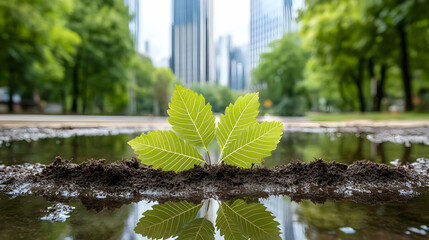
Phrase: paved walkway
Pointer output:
(76, 121)
(61, 121)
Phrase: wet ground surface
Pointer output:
(313, 200)
(100, 185)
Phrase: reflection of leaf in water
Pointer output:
(166, 220)
(226, 225)
(243, 221)
(200, 229)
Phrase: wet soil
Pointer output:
(99, 185)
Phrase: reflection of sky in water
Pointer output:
(284, 211)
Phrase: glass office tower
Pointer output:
(269, 20)
(192, 58)
(133, 11)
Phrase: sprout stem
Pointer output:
(208, 156)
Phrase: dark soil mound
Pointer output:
(126, 181)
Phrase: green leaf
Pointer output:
(164, 149)
(226, 225)
(237, 117)
(191, 118)
(253, 144)
(246, 221)
(166, 220)
(200, 228)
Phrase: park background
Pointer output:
(306, 58)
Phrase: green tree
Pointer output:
(35, 43)
(404, 17)
(144, 83)
(218, 96)
(357, 41)
(333, 33)
(100, 72)
(162, 88)
(279, 74)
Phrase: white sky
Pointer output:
(230, 17)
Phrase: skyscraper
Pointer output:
(231, 64)
(269, 20)
(238, 69)
(192, 58)
(223, 48)
(133, 11)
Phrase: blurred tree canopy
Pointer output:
(101, 60)
(36, 44)
(279, 73)
(79, 53)
(350, 55)
(358, 45)
(162, 88)
(144, 81)
(218, 96)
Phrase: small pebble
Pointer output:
(416, 230)
(347, 230)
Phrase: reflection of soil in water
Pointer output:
(100, 185)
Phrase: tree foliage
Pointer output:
(219, 96)
(76, 52)
(35, 44)
(100, 63)
(279, 74)
(348, 56)
(355, 46)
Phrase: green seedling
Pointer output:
(243, 141)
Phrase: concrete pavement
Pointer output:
(82, 121)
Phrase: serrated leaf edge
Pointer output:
(228, 223)
(242, 217)
(265, 133)
(233, 128)
(180, 91)
(136, 143)
(175, 216)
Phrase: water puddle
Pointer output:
(317, 200)
(275, 217)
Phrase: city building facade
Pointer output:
(192, 58)
(223, 47)
(231, 64)
(134, 24)
(269, 20)
(238, 69)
